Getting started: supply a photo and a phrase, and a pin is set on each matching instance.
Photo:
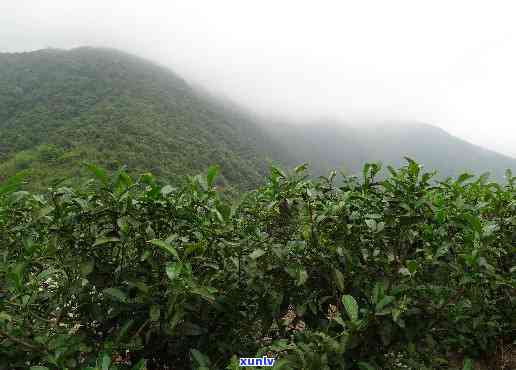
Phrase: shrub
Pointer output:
(363, 274)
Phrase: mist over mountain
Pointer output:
(61, 108)
(331, 144)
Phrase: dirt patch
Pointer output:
(503, 359)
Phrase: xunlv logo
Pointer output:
(257, 361)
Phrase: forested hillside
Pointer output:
(329, 144)
(61, 108)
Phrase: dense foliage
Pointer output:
(399, 273)
(59, 108)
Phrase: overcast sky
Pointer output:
(448, 63)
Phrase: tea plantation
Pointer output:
(402, 272)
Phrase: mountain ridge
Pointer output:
(111, 108)
(59, 108)
(389, 142)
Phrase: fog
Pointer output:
(450, 64)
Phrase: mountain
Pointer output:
(60, 108)
(331, 144)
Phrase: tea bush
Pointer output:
(366, 273)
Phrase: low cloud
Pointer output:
(448, 64)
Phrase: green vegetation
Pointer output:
(61, 108)
(329, 144)
(391, 270)
(396, 273)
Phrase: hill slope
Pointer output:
(331, 144)
(59, 108)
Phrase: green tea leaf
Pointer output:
(173, 270)
(365, 366)
(210, 176)
(166, 190)
(105, 240)
(464, 177)
(167, 247)
(257, 253)
(351, 307)
(87, 267)
(468, 364)
(384, 302)
(106, 361)
(200, 359)
(204, 292)
(115, 293)
(98, 172)
(339, 280)
(378, 292)
(140, 365)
